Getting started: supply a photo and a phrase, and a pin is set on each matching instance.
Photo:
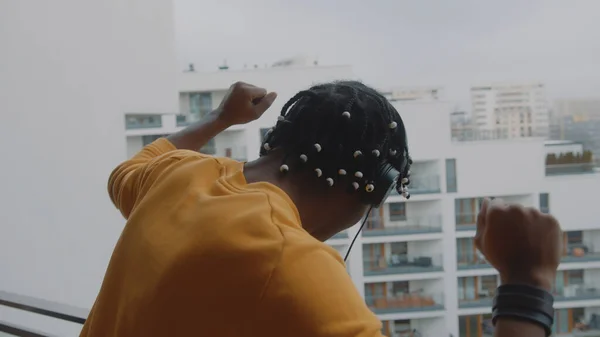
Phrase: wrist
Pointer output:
(536, 279)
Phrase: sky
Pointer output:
(450, 43)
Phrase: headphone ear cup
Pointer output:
(384, 182)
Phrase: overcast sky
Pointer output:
(450, 43)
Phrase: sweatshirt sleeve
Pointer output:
(129, 182)
(311, 294)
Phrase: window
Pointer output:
(575, 277)
(151, 138)
(545, 203)
(466, 210)
(451, 175)
(575, 237)
(263, 134)
(397, 211)
(200, 104)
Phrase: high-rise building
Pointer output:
(415, 261)
(511, 110)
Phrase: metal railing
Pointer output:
(143, 121)
(38, 306)
(406, 226)
(401, 264)
(405, 302)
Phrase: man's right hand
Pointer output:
(523, 244)
(244, 103)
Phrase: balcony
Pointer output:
(580, 253)
(143, 121)
(406, 302)
(401, 264)
(577, 292)
(466, 221)
(569, 163)
(426, 184)
(477, 291)
(408, 226)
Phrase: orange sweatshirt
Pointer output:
(204, 253)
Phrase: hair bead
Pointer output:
(393, 125)
(280, 118)
(342, 172)
(355, 185)
(319, 172)
(376, 153)
(346, 114)
(329, 181)
(267, 147)
(392, 152)
(358, 174)
(284, 168)
(303, 158)
(369, 188)
(357, 153)
(404, 180)
(318, 147)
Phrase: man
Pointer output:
(214, 247)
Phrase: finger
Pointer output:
(265, 102)
(481, 223)
(254, 91)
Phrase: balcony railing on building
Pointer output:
(410, 225)
(483, 298)
(576, 292)
(570, 163)
(580, 252)
(471, 260)
(405, 302)
(340, 235)
(588, 327)
(143, 121)
(401, 264)
(466, 221)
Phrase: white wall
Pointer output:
(69, 70)
(134, 145)
(574, 200)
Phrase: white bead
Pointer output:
(355, 185)
(357, 153)
(342, 172)
(375, 153)
(319, 172)
(392, 152)
(369, 188)
(267, 147)
(318, 147)
(358, 174)
(329, 181)
(346, 114)
(284, 168)
(280, 118)
(404, 180)
(304, 158)
(393, 125)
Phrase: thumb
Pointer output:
(265, 102)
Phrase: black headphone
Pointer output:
(385, 182)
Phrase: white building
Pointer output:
(511, 110)
(415, 262)
(413, 94)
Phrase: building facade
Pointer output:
(415, 261)
(577, 120)
(511, 110)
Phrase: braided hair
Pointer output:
(343, 131)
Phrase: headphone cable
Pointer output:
(358, 233)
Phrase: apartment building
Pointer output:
(511, 110)
(415, 262)
(577, 120)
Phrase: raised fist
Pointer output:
(244, 103)
(523, 244)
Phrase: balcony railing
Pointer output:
(474, 260)
(580, 253)
(424, 184)
(466, 221)
(340, 235)
(469, 298)
(38, 306)
(407, 302)
(401, 264)
(143, 121)
(575, 292)
(411, 225)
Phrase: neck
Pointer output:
(304, 196)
